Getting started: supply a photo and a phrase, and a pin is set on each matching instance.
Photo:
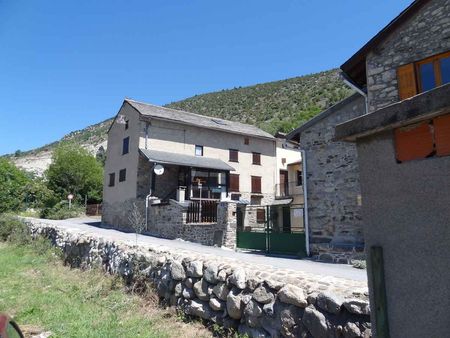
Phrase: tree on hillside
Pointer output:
(13, 182)
(75, 171)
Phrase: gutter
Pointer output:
(305, 199)
(355, 87)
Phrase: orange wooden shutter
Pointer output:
(406, 78)
(442, 135)
(413, 142)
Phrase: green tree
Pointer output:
(75, 171)
(13, 182)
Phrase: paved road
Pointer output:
(92, 225)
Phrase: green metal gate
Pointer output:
(275, 229)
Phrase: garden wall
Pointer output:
(257, 300)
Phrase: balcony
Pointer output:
(288, 189)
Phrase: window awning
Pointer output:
(185, 160)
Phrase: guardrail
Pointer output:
(202, 212)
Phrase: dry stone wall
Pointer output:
(256, 300)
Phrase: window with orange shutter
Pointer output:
(423, 75)
(406, 78)
(442, 135)
(414, 142)
(424, 139)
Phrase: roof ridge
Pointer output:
(190, 113)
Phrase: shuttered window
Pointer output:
(234, 182)
(406, 77)
(423, 75)
(256, 184)
(234, 155)
(414, 142)
(260, 215)
(424, 139)
(256, 158)
(442, 135)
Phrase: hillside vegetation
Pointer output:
(272, 106)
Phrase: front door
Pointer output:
(284, 191)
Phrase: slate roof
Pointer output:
(197, 120)
(185, 160)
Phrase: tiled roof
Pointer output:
(184, 117)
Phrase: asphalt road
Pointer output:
(92, 225)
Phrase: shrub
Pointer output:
(75, 171)
(12, 186)
(13, 229)
(61, 211)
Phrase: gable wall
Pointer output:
(333, 182)
(424, 35)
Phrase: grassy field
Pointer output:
(43, 295)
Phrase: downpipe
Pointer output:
(305, 199)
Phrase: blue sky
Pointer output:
(67, 64)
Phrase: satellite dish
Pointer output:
(158, 169)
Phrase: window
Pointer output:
(423, 75)
(198, 150)
(261, 215)
(234, 155)
(246, 141)
(112, 179)
(126, 124)
(299, 178)
(207, 184)
(122, 175)
(234, 182)
(422, 140)
(256, 158)
(235, 197)
(256, 184)
(125, 145)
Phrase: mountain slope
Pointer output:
(272, 106)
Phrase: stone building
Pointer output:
(403, 149)
(174, 159)
(332, 182)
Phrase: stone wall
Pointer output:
(256, 300)
(116, 214)
(169, 221)
(425, 34)
(335, 223)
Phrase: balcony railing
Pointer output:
(202, 211)
(288, 189)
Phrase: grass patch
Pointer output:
(39, 292)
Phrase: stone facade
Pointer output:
(259, 301)
(425, 34)
(335, 223)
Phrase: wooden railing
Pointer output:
(202, 212)
(94, 209)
